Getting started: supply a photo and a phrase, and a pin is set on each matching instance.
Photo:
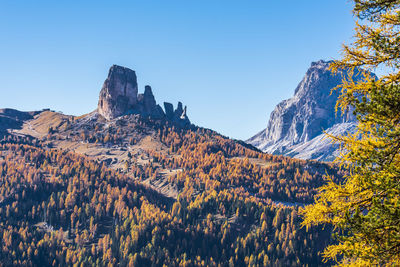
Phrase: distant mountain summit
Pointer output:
(296, 125)
(119, 96)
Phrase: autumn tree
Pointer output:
(365, 208)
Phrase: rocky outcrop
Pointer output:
(177, 115)
(169, 110)
(146, 102)
(179, 110)
(183, 116)
(119, 96)
(297, 121)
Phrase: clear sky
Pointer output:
(229, 61)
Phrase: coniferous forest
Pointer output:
(132, 183)
(61, 208)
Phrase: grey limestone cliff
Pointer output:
(296, 125)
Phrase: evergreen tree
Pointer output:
(365, 207)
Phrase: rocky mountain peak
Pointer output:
(119, 92)
(146, 101)
(179, 110)
(321, 63)
(310, 110)
(307, 114)
(119, 96)
(318, 77)
(148, 92)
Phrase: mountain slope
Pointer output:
(13, 119)
(296, 125)
(149, 190)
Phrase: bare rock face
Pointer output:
(179, 110)
(302, 118)
(169, 110)
(180, 114)
(184, 116)
(158, 112)
(119, 96)
(119, 93)
(146, 102)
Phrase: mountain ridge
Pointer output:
(303, 118)
(141, 190)
(119, 96)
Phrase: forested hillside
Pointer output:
(196, 199)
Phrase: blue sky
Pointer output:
(230, 62)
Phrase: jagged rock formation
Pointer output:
(296, 125)
(147, 105)
(119, 96)
(177, 115)
(146, 100)
(169, 110)
(183, 116)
